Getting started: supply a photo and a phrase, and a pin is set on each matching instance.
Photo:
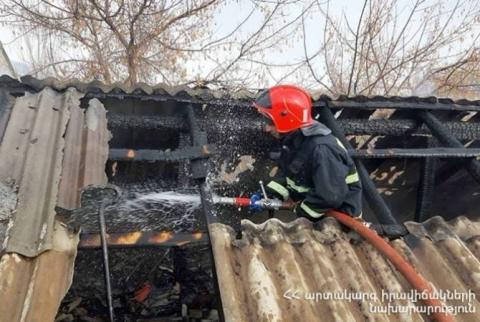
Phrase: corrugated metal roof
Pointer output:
(181, 91)
(37, 144)
(199, 92)
(255, 272)
(51, 150)
(86, 153)
(31, 156)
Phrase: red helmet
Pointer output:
(289, 107)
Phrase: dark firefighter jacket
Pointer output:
(315, 168)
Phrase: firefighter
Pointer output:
(315, 169)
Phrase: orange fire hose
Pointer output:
(404, 267)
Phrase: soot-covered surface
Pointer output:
(167, 278)
(150, 282)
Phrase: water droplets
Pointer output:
(176, 210)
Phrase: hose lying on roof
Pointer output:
(404, 267)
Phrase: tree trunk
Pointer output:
(132, 67)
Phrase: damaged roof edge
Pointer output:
(32, 289)
(50, 164)
(85, 154)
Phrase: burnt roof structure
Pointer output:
(56, 138)
(378, 128)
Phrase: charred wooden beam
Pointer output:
(351, 126)
(415, 153)
(198, 136)
(143, 239)
(120, 121)
(460, 130)
(178, 99)
(178, 123)
(426, 186)
(199, 172)
(199, 165)
(403, 104)
(445, 137)
(376, 202)
(188, 153)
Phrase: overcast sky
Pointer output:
(227, 18)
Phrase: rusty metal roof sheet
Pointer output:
(205, 93)
(52, 148)
(32, 289)
(259, 274)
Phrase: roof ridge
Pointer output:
(203, 92)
